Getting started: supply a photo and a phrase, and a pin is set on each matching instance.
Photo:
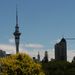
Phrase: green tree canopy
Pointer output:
(59, 68)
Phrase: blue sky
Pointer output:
(41, 22)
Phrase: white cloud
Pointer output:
(41, 52)
(11, 40)
(70, 54)
(30, 45)
(33, 53)
(8, 48)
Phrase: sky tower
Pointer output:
(17, 33)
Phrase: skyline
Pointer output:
(42, 24)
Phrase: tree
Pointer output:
(19, 64)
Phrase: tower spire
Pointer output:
(16, 16)
(38, 56)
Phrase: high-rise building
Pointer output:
(73, 60)
(2, 53)
(61, 50)
(17, 33)
(45, 59)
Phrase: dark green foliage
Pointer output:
(58, 68)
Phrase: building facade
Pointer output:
(45, 59)
(61, 50)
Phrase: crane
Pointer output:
(70, 38)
